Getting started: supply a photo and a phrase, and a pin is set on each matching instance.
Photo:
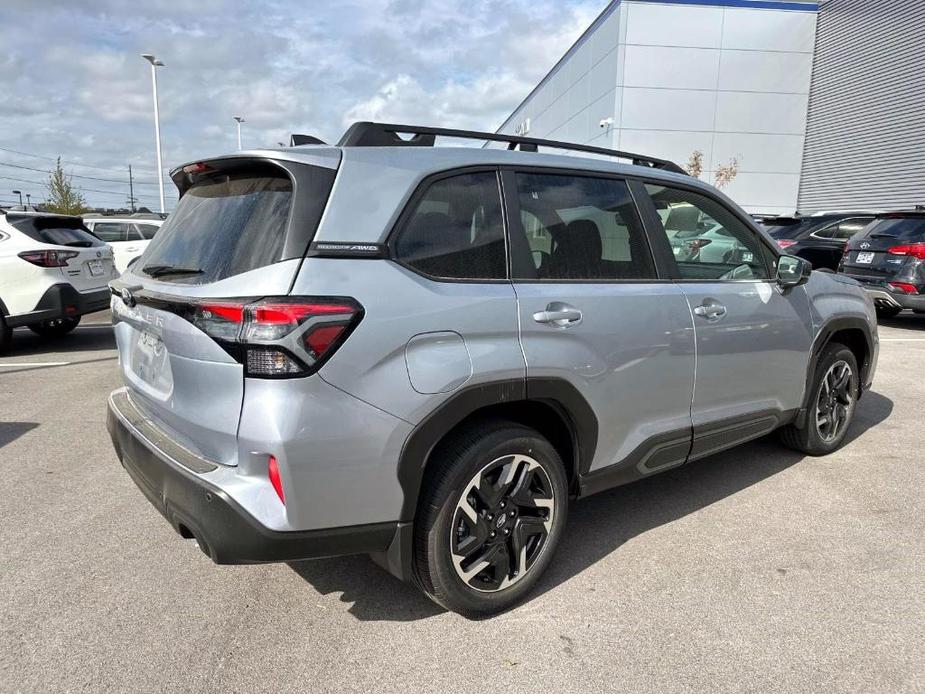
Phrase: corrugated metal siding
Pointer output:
(865, 138)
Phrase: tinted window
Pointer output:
(112, 231)
(147, 231)
(708, 241)
(224, 227)
(581, 228)
(906, 228)
(59, 231)
(455, 230)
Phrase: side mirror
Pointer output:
(793, 271)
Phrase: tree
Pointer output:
(63, 197)
(721, 177)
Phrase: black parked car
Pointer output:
(819, 238)
(888, 258)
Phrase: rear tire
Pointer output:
(56, 327)
(492, 512)
(6, 335)
(832, 404)
(888, 311)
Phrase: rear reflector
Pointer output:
(916, 250)
(904, 287)
(273, 473)
(48, 258)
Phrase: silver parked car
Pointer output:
(425, 353)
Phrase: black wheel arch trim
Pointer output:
(828, 330)
(557, 393)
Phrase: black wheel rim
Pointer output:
(501, 523)
(835, 401)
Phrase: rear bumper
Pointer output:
(225, 531)
(63, 301)
(885, 298)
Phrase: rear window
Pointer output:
(229, 224)
(59, 231)
(790, 227)
(904, 228)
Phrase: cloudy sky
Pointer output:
(72, 83)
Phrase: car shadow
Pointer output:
(10, 431)
(84, 338)
(596, 526)
(905, 320)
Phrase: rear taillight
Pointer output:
(916, 250)
(275, 480)
(48, 258)
(904, 287)
(279, 337)
(785, 243)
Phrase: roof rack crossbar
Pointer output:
(369, 134)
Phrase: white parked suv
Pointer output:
(128, 236)
(52, 271)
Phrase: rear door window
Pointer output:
(580, 228)
(222, 226)
(455, 230)
(147, 231)
(111, 232)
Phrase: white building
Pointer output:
(822, 105)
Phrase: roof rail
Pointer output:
(368, 134)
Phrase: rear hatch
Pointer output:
(884, 249)
(81, 258)
(235, 241)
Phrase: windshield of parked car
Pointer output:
(905, 228)
(58, 231)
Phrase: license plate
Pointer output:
(96, 267)
(865, 257)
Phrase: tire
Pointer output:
(832, 404)
(499, 497)
(56, 327)
(888, 311)
(6, 335)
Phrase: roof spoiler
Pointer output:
(369, 134)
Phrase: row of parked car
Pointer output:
(56, 268)
(884, 251)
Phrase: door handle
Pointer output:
(131, 249)
(710, 311)
(559, 314)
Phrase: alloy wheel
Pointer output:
(835, 400)
(501, 522)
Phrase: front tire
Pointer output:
(493, 511)
(834, 395)
(56, 327)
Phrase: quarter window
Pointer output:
(708, 241)
(580, 228)
(456, 231)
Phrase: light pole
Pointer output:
(239, 120)
(155, 64)
(19, 193)
(28, 199)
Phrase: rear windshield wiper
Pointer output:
(163, 270)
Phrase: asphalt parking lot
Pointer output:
(754, 570)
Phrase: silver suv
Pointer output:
(424, 353)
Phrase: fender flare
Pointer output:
(823, 337)
(558, 393)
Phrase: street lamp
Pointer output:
(155, 63)
(19, 193)
(239, 119)
(28, 199)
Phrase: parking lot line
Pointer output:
(35, 363)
